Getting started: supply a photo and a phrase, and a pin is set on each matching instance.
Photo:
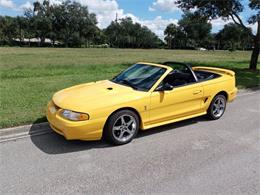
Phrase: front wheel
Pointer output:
(217, 107)
(121, 127)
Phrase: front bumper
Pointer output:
(81, 130)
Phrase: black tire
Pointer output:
(114, 122)
(212, 112)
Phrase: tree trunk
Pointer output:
(255, 53)
(20, 35)
(67, 41)
(42, 40)
(254, 58)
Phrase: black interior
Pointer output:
(204, 75)
(179, 78)
(182, 74)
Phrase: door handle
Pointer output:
(197, 92)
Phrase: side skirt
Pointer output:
(173, 120)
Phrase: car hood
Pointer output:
(92, 96)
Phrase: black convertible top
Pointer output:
(168, 63)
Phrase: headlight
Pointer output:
(74, 116)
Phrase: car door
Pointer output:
(179, 102)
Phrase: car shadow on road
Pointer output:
(53, 143)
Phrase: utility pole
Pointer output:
(116, 32)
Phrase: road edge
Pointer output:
(13, 133)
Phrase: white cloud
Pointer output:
(254, 27)
(56, 2)
(218, 24)
(7, 3)
(158, 25)
(164, 5)
(25, 6)
(107, 10)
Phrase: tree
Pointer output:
(29, 24)
(73, 23)
(8, 29)
(88, 31)
(175, 37)
(42, 20)
(170, 34)
(68, 22)
(229, 9)
(192, 31)
(196, 27)
(233, 37)
(21, 25)
(127, 34)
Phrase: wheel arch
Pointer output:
(126, 108)
(209, 109)
(223, 93)
(212, 97)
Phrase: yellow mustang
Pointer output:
(143, 96)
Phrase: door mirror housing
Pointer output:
(164, 87)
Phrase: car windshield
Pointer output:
(140, 76)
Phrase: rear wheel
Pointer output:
(121, 127)
(217, 107)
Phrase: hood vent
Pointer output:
(109, 88)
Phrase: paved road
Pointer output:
(192, 157)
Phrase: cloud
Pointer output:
(56, 2)
(158, 25)
(7, 3)
(218, 24)
(108, 10)
(164, 5)
(27, 5)
(254, 27)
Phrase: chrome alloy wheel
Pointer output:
(218, 106)
(124, 128)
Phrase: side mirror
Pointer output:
(164, 87)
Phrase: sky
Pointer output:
(155, 14)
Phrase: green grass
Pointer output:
(30, 76)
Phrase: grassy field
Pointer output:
(30, 76)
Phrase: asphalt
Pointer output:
(196, 156)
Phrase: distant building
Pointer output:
(37, 40)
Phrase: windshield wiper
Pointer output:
(128, 83)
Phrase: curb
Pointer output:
(14, 133)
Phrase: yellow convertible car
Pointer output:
(144, 96)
